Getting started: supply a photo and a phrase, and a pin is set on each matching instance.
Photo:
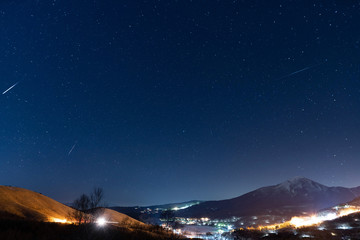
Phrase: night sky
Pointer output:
(167, 101)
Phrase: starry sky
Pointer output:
(168, 101)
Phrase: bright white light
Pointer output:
(101, 222)
(57, 220)
(344, 226)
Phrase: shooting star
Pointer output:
(10, 88)
(72, 149)
(299, 71)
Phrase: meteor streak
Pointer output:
(299, 71)
(10, 88)
(71, 149)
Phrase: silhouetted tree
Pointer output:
(88, 208)
(81, 205)
(96, 204)
(96, 197)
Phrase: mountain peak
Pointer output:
(299, 179)
(297, 184)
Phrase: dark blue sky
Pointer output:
(167, 101)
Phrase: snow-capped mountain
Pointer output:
(289, 198)
(299, 184)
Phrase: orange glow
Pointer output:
(58, 220)
(308, 221)
(347, 211)
(316, 219)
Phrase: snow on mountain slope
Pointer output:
(298, 184)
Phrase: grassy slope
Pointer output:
(26, 204)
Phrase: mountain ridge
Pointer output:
(291, 197)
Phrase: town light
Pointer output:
(317, 219)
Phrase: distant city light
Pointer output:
(344, 226)
(183, 207)
(317, 219)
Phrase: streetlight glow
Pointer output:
(101, 221)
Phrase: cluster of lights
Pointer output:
(315, 219)
(319, 218)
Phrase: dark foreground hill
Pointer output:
(34, 230)
(289, 198)
(23, 204)
(26, 215)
